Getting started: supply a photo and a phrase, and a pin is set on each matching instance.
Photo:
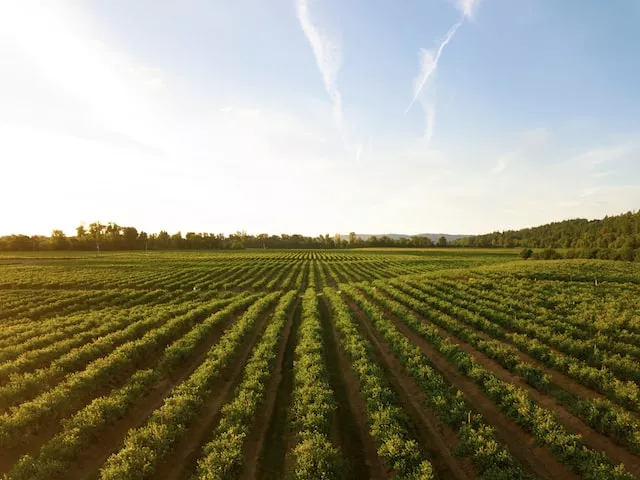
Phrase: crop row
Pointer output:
(598, 414)
(514, 401)
(86, 426)
(145, 446)
(585, 343)
(476, 439)
(313, 401)
(626, 394)
(385, 417)
(72, 392)
(222, 456)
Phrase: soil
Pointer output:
(591, 437)
(437, 440)
(520, 443)
(94, 455)
(51, 426)
(331, 282)
(278, 438)
(182, 462)
(256, 444)
(349, 427)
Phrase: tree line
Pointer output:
(611, 238)
(611, 232)
(111, 236)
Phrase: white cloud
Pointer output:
(429, 64)
(527, 142)
(429, 60)
(600, 174)
(358, 152)
(503, 162)
(597, 156)
(467, 7)
(327, 54)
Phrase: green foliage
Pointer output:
(222, 456)
(145, 446)
(526, 253)
(84, 340)
(313, 401)
(515, 402)
(386, 419)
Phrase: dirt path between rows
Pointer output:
(331, 282)
(49, 427)
(436, 439)
(255, 444)
(277, 440)
(93, 456)
(182, 462)
(592, 438)
(349, 427)
(515, 329)
(565, 382)
(519, 442)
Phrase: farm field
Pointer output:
(345, 364)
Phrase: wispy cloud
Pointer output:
(467, 7)
(327, 54)
(526, 142)
(429, 60)
(358, 152)
(429, 64)
(503, 162)
(597, 156)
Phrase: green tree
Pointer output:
(96, 232)
(129, 237)
(442, 242)
(143, 237)
(163, 240)
(526, 253)
(177, 240)
(353, 239)
(59, 240)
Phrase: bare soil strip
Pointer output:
(278, 439)
(331, 282)
(436, 440)
(181, 464)
(256, 444)
(572, 386)
(94, 456)
(316, 274)
(48, 430)
(520, 443)
(350, 429)
(592, 438)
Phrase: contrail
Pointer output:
(428, 61)
(327, 54)
(467, 7)
(428, 68)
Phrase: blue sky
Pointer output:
(318, 116)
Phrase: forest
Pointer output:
(611, 238)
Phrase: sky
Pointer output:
(317, 116)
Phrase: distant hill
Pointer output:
(397, 236)
(615, 232)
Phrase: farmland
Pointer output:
(464, 364)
